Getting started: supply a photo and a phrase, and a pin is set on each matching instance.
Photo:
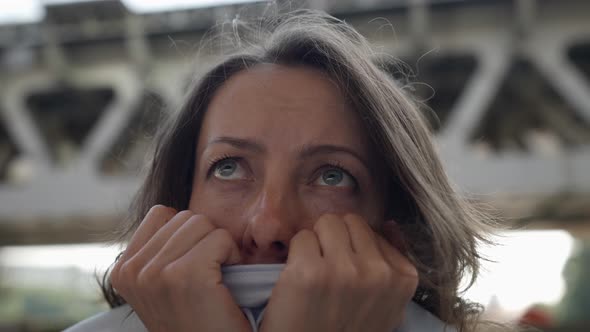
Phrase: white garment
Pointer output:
(251, 286)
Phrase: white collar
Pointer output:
(251, 286)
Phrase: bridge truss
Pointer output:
(82, 90)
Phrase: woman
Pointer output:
(298, 149)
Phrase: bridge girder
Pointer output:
(73, 199)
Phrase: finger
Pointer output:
(393, 234)
(333, 236)
(395, 259)
(156, 217)
(184, 238)
(304, 246)
(215, 249)
(362, 237)
(158, 240)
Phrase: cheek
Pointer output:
(225, 210)
(318, 203)
(367, 207)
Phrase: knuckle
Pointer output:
(221, 236)
(348, 276)
(128, 270)
(349, 271)
(302, 234)
(324, 221)
(199, 220)
(185, 214)
(311, 278)
(161, 210)
(382, 275)
(170, 276)
(329, 217)
(193, 222)
(122, 276)
(404, 285)
(382, 268)
(408, 269)
(158, 207)
(145, 278)
(352, 217)
(410, 283)
(153, 281)
(318, 225)
(142, 280)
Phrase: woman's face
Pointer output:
(277, 149)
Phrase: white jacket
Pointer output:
(251, 286)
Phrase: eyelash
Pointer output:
(338, 165)
(331, 164)
(212, 163)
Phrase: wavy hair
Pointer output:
(440, 227)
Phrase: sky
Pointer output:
(25, 11)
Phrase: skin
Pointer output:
(283, 175)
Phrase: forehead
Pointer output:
(283, 105)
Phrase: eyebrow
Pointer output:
(310, 150)
(240, 143)
(306, 151)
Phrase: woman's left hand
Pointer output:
(341, 277)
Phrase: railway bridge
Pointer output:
(505, 83)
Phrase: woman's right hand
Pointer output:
(170, 274)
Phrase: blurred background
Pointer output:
(506, 85)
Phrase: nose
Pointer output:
(272, 224)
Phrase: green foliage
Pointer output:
(46, 309)
(576, 301)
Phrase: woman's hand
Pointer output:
(341, 277)
(170, 274)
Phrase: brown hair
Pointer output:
(441, 229)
